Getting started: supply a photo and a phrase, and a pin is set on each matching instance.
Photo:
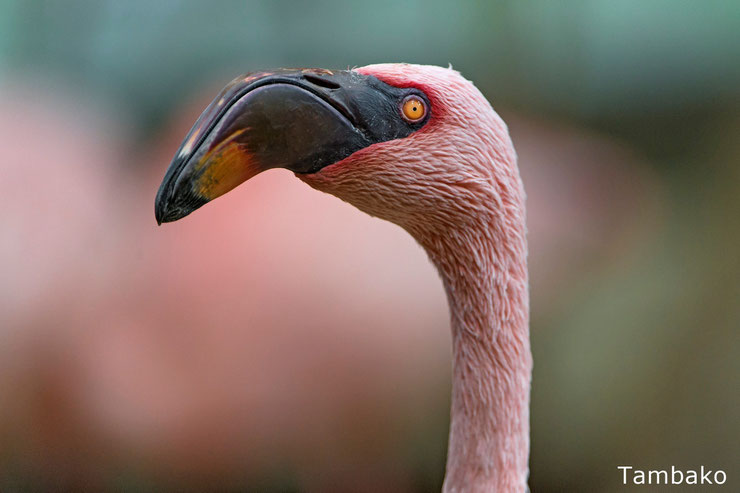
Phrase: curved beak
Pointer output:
(301, 120)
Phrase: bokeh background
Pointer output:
(278, 340)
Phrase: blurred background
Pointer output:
(211, 354)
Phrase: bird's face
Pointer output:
(411, 144)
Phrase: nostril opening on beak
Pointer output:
(318, 81)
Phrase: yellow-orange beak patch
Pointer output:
(225, 167)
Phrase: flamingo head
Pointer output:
(416, 145)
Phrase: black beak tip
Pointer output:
(160, 207)
(162, 216)
(168, 214)
(172, 208)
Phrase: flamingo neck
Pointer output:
(485, 277)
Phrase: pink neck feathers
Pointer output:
(486, 285)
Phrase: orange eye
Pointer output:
(414, 109)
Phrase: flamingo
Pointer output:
(421, 147)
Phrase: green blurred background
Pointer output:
(625, 117)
